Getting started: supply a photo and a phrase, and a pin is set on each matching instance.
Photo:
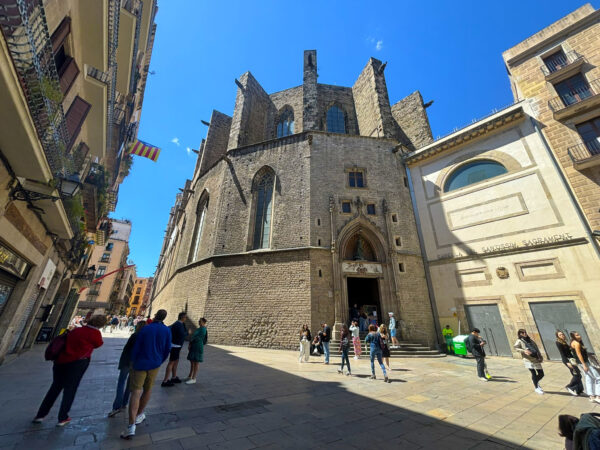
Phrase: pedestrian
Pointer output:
(385, 351)
(113, 323)
(69, 368)
(196, 350)
(354, 312)
(373, 339)
(590, 374)
(325, 338)
(575, 386)
(355, 329)
(305, 339)
(532, 358)
(448, 333)
(150, 350)
(315, 347)
(178, 334)
(344, 347)
(122, 394)
(475, 345)
(363, 321)
(392, 328)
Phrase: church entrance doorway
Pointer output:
(364, 293)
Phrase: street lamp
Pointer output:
(30, 190)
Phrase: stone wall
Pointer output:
(217, 139)
(411, 116)
(310, 113)
(341, 97)
(292, 98)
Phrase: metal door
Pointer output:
(552, 316)
(487, 319)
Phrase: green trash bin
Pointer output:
(459, 345)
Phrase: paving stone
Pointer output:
(174, 433)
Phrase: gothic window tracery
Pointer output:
(201, 211)
(263, 195)
(285, 125)
(336, 120)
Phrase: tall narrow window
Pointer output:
(264, 209)
(200, 217)
(285, 125)
(336, 120)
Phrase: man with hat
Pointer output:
(392, 328)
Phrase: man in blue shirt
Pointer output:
(178, 334)
(151, 349)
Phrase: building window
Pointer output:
(201, 211)
(101, 271)
(346, 207)
(109, 246)
(401, 267)
(472, 173)
(138, 291)
(394, 218)
(371, 209)
(105, 257)
(573, 90)
(356, 179)
(336, 120)
(590, 134)
(285, 125)
(136, 300)
(263, 196)
(65, 65)
(555, 61)
(74, 118)
(398, 242)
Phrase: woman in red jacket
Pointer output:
(69, 368)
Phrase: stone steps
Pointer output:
(403, 350)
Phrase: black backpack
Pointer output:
(587, 432)
(468, 344)
(56, 347)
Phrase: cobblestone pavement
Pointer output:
(248, 398)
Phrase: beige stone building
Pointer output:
(298, 209)
(72, 76)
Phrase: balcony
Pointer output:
(586, 154)
(562, 66)
(576, 101)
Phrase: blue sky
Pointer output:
(450, 51)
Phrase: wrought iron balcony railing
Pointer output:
(574, 96)
(560, 62)
(585, 150)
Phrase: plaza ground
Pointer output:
(256, 398)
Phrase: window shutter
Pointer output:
(75, 116)
(61, 33)
(68, 72)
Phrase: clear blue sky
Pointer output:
(450, 51)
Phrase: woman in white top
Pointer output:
(355, 329)
(532, 358)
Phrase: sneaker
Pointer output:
(572, 392)
(175, 380)
(483, 379)
(597, 399)
(488, 376)
(355, 357)
(139, 419)
(37, 420)
(62, 423)
(340, 371)
(129, 432)
(539, 390)
(191, 381)
(386, 379)
(114, 412)
(591, 399)
(372, 377)
(167, 383)
(348, 374)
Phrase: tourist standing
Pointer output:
(448, 333)
(475, 345)
(196, 350)
(355, 329)
(305, 339)
(150, 350)
(344, 347)
(575, 386)
(114, 323)
(532, 358)
(354, 312)
(385, 350)
(325, 338)
(122, 395)
(363, 321)
(178, 335)
(590, 374)
(69, 368)
(373, 339)
(392, 327)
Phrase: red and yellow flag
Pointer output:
(144, 149)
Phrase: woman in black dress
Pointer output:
(575, 386)
(385, 351)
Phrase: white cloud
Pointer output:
(188, 150)
(379, 45)
(175, 141)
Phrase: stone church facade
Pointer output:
(298, 208)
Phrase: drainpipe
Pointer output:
(563, 178)
(436, 318)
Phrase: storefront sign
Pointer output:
(13, 263)
(362, 268)
(47, 274)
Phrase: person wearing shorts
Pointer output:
(392, 328)
(152, 347)
(178, 335)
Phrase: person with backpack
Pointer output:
(475, 345)
(375, 342)
(178, 335)
(575, 386)
(532, 358)
(122, 394)
(196, 350)
(590, 374)
(344, 347)
(70, 364)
